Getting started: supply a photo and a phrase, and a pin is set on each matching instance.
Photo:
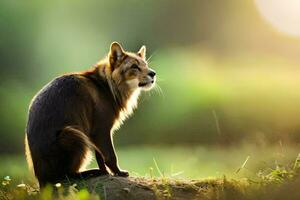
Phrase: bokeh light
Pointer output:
(284, 15)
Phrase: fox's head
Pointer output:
(128, 70)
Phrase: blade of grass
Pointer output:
(157, 168)
(243, 165)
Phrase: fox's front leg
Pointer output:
(101, 163)
(105, 144)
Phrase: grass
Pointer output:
(260, 165)
(181, 162)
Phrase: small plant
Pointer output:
(280, 173)
(22, 191)
(6, 181)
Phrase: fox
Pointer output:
(76, 114)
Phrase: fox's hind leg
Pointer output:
(65, 159)
(80, 154)
(86, 174)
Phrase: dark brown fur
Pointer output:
(78, 112)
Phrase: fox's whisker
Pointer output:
(159, 79)
(149, 58)
(158, 90)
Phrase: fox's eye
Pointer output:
(134, 66)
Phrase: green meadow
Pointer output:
(223, 118)
(243, 161)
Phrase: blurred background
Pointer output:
(229, 73)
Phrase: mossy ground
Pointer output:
(109, 187)
(272, 182)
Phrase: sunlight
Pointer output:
(284, 15)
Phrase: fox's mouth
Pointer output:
(143, 84)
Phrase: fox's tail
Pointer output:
(71, 136)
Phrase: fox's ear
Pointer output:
(116, 52)
(142, 52)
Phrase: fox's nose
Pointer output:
(151, 73)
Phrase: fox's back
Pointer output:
(60, 103)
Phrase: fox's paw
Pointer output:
(122, 173)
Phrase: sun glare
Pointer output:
(284, 15)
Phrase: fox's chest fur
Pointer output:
(117, 106)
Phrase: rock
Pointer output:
(135, 188)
